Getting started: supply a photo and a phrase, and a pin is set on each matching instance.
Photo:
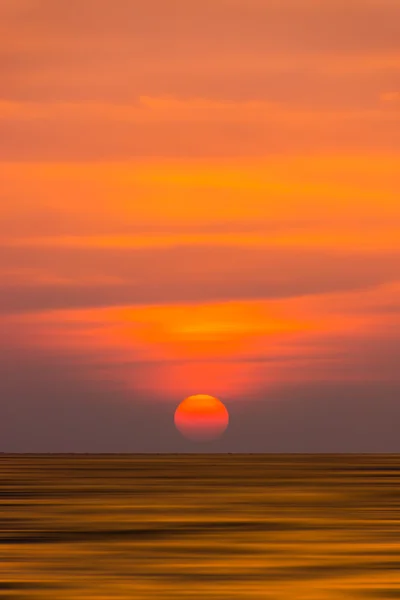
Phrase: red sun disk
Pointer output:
(201, 418)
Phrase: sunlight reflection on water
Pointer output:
(200, 526)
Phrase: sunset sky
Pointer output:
(199, 197)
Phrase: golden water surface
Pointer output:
(299, 527)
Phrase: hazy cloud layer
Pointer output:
(66, 278)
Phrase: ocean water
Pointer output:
(268, 527)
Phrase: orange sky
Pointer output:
(203, 196)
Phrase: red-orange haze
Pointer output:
(201, 418)
(199, 195)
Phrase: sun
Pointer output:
(201, 418)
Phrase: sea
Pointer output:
(199, 526)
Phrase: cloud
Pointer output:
(169, 108)
(285, 24)
(185, 274)
(328, 196)
(167, 126)
(291, 52)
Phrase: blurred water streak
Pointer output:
(271, 527)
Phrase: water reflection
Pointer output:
(211, 526)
